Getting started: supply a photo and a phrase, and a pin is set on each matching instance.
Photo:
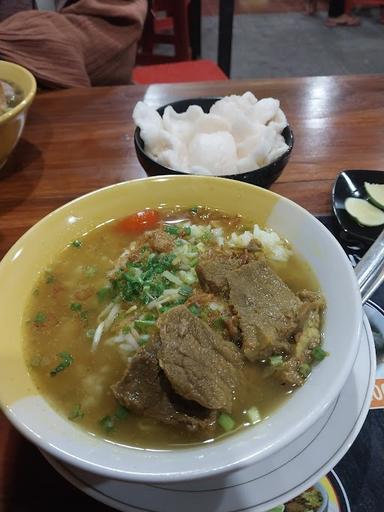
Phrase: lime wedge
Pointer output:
(364, 212)
(376, 193)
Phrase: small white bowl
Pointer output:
(33, 416)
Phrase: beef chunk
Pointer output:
(254, 246)
(266, 307)
(200, 298)
(145, 390)
(160, 241)
(307, 337)
(213, 268)
(289, 373)
(232, 325)
(198, 362)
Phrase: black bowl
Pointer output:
(263, 177)
(350, 183)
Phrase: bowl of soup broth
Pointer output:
(174, 328)
(17, 91)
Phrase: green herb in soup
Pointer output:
(173, 327)
(10, 96)
(309, 501)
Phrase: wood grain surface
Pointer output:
(78, 140)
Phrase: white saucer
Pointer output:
(263, 486)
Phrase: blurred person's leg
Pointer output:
(88, 42)
(338, 17)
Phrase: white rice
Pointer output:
(274, 246)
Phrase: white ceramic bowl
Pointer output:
(33, 416)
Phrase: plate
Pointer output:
(262, 486)
(351, 184)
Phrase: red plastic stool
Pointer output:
(173, 29)
(190, 71)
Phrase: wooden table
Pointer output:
(81, 139)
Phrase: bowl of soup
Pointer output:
(17, 91)
(173, 328)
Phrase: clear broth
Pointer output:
(86, 383)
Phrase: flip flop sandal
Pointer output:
(350, 23)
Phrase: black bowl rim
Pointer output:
(140, 144)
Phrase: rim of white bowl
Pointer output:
(327, 396)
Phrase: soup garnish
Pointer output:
(173, 327)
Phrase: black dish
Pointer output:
(263, 177)
(351, 184)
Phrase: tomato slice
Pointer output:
(139, 222)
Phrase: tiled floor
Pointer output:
(210, 7)
(278, 44)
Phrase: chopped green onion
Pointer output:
(76, 413)
(172, 230)
(75, 306)
(189, 277)
(304, 370)
(318, 354)
(276, 360)
(187, 230)
(226, 422)
(143, 339)
(185, 290)
(49, 278)
(218, 323)
(104, 293)
(172, 278)
(194, 209)
(108, 424)
(90, 270)
(164, 309)
(121, 412)
(149, 316)
(254, 414)
(126, 329)
(143, 281)
(194, 262)
(143, 325)
(207, 236)
(76, 243)
(39, 318)
(66, 361)
(195, 310)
